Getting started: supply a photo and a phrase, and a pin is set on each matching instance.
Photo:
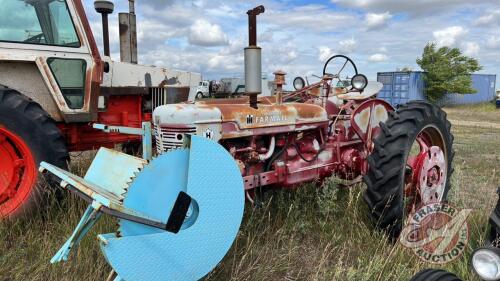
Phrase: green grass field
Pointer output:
(309, 234)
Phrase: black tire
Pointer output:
(199, 95)
(387, 162)
(435, 275)
(38, 130)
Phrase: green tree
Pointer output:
(447, 70)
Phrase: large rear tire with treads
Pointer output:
(27, 136)
(402, 175)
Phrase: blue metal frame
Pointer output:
(145, 132)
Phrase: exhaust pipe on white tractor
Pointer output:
(253, 63)
(104, 7)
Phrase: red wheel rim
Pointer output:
(18, 172)
(426, 170)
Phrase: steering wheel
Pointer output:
(347, 60)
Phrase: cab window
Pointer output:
(70, 77)
(44, 22)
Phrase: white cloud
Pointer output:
(493, 18)
(420, 7)
(449, 36)
(280, 55)
(266, 36)
(493, 42)
(204, 33)
(324, 53)
(309, 17)
(235, 47)
(374, 21)
(471, 49)
(347, 46)
(377, 58)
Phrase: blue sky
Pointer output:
(297, 35)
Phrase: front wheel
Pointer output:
(410, 165)
(199, 95)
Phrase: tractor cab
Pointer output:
(51, 34)
(55, 84)
(45, 22)
(53, 40)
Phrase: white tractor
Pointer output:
(54, 83)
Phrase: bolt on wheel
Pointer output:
(426, 170)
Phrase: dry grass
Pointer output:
(309, 234)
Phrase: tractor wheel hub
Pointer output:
(17, 171)
(432, 175)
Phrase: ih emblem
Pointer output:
(209, 134)
(249, 119)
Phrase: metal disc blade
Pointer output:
(214, 182)
(155, 189)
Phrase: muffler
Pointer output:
(253, 62)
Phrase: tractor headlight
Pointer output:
(486, 263)
(359, 82)
(299, 83)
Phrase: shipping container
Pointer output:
(401, 87)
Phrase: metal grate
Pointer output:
(168, 95)
(171, 137)
(159, 97)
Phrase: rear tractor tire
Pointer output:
(27, 136)
(410, 165)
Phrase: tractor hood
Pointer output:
(124, 74)
(241, 114)
(185, 114)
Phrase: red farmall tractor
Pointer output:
(54, 84)
(333, 127)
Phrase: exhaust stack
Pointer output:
(128, 34)
(104, 7)
(253, 63)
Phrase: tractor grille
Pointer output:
(168, 95)
(159, 97)
(171, 137)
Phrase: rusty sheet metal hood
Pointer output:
(246, 117)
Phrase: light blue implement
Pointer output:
(207, 173)
(143, 196)
(104, 184)
(145, 132)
